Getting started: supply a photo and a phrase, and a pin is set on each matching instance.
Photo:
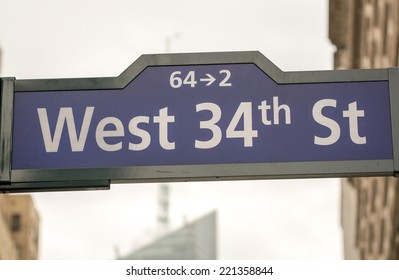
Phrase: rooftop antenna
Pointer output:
(163, 207)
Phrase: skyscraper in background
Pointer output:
(194, 241)
(366, 34)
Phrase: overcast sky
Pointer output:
(285, 219)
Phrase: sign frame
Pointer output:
(101, 178)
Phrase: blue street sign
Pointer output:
(174, 115)
(203, 116)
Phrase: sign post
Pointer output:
(209, 116)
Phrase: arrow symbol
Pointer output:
(210, 79)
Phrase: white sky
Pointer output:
(285, 219)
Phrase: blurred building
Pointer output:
(19, 228)
(0, 60)
(194, 241)
(366, 34)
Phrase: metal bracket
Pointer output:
(56, 186)
(393, 75)
(6, 122)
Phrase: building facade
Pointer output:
(366, 35)
(19, 228)
(1, 53)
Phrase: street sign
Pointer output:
(179, 117)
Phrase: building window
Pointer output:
(385, 39)
(382, 237)
(371, 238)
(386, 189)
(374, 187)
(18, 251)
(15, 222)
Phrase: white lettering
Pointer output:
(136, 131)
(263, 107)
(210, 124)
(327, 122)
(163, 119)
(65, 114)
(276, 111)
(353, 114)
(244, 112)
(101, 133)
